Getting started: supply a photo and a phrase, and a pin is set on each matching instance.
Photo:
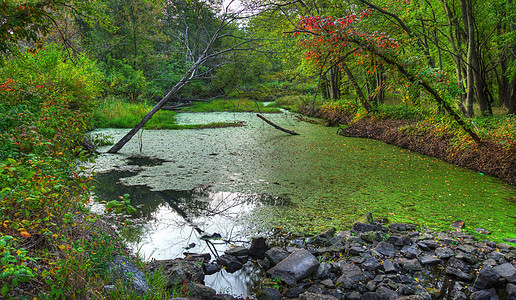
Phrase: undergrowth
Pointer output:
(233, 105)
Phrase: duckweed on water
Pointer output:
(331, 180)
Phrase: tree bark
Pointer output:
(276, 126)
(354, 82)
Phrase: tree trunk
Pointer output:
(334, 83)
(354, 82)
(470, 83)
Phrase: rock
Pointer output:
(458, 225)
(264, 263)
(410, 251)
(458, 273)
(328, 283)
(430, 244)
(231, 263)
(206, 257)
(384, 291)
(388, 266)
(467, 248)
(210, 268)
(395, 241)
(402, 227)
(385, 249)
(294, 292)
(497, 256)
(314, 296)
(511, 291)
(124, 270)
(411, 297)
(354, 295)
(507, 271)
(487, 278)
(458, 264)
(480, 295)
(352, 271)
(328, 234)
(224, 297)
(429, 260)
(370, 236)
(200, 291)
(276, 254)
(364, 227)
(483, 231)
(237, 251)
(460, 296)
(323, 271)
(268, 294)
(258, 248)
(178, 270)
(298, 265)
(444, 252)
(411, 264)
(510, 241)
(356, 250)
(374, 296)
(371, 264)
(468, 257)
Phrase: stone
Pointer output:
(258, 248)
(352, 271)
(224, 297)
(374, 296)
(264, 263)
(429, 260)
(444, 252)
(237, 251)
(294, 292)
(402, 227)
(458, 264)
(314, 296)
(328, 283)
(497, 256)
(385, 291)
(510, 241)
(483, 231)
(268, 294)
(410, 251)
(411, 264)
(511, 291)
(388, 266)
(364, 227)
(178, 270)
(371, 264)
(298, 265)
(467, 257)
(486, 278)
(231, 263)
(411, 297)
(354, 296)
(210, 268)
(507, 271)
(467, 248)
(458, 225)
(128, 273)
(458, 273)
(370, 236)
(276, 254)
(206, 257)
(385, 249)
(356, 250)
(480, 295)
(200, 291)
(460, 296)
(395, 241)
(323, 271)
(430, 244)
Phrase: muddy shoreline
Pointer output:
(487, 158)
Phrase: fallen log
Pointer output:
(309, 120)
(276, 126)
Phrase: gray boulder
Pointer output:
(122, 269)
(298, 265)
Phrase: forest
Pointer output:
(437, 77)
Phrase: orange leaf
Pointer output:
(25, 234)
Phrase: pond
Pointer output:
(200, 190)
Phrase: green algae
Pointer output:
(330, 180)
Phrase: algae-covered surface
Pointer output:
(322, 179)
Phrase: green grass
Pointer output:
(235, 105)
(117, 113)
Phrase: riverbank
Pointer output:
(490, 158)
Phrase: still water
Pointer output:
(201, 190)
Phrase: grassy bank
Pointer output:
(233, 105)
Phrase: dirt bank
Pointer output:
(487, 158)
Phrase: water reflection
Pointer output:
(170, 223)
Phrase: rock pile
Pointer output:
(371, 261)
